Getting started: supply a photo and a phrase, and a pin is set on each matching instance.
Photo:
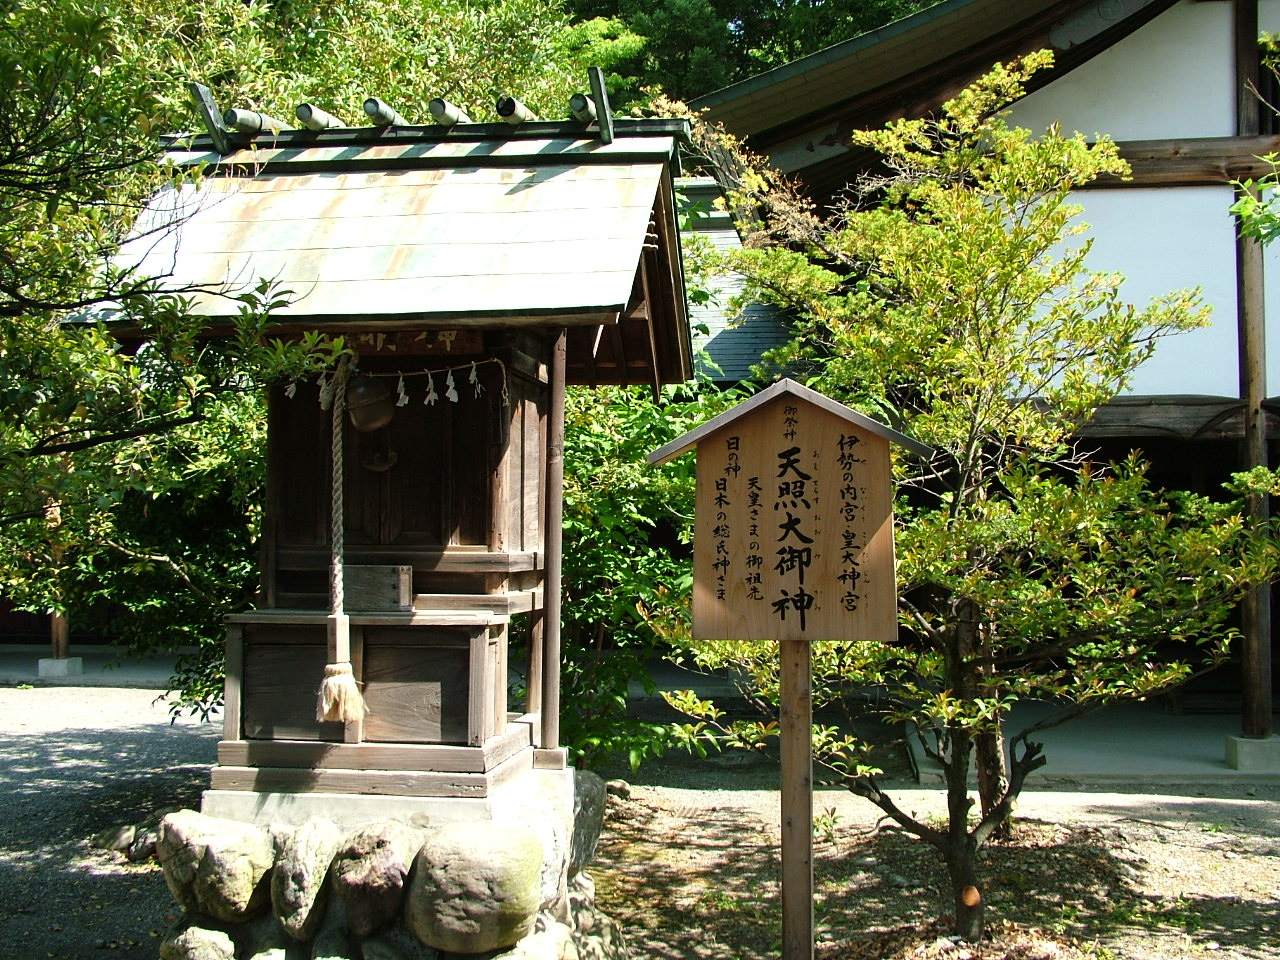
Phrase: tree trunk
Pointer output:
(960, 851)
(993, 776)
(970, 908)
(989, 756)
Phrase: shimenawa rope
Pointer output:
(339, 699)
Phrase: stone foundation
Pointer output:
(60, 667)
(513, 886)
(1258, 755)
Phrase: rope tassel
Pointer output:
(339, 699)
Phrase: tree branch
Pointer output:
(50, 445)
(1032, 759)
(167, 561)
(866, 788)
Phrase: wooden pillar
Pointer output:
(795, 703)
(60, 636)
(553, 547)
(1255, 656)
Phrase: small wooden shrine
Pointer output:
(476, 269)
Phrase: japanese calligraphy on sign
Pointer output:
(794, 525)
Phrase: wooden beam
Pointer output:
(211, 116)
(232, 690)
(674, 341)
(320, 755)
(453, 559)
(655, 377)
(1248, 65)
(1192, 162)
(59, 635)
(394, 783)
(795, 708)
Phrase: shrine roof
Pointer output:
(801, 114)
(408, 227)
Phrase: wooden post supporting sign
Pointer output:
(793, 542)
(795, 726)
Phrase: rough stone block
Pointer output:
(476, 889)
(298, 890)
(198, 943)
(370, 872)
(216, 867)
(589, 798)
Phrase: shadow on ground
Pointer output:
(702, 883)
(57, 790)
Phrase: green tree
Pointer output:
(112, 460)
(627, 548)
(692, 47)
(952, 297)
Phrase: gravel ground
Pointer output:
(75, 761)
(1167, 872)
(78, 760)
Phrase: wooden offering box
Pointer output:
(435, 687)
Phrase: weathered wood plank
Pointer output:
(396, 783)
(415, 694)
(353, 731)
(380, 588)
(280, 681)
(441, 758)
(550, 758)
(451, 560)
(504, 604)
(231, 695)
(274, 619)
(478, 677)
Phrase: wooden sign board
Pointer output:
(794, 528)
(793, 537)
(793, 541)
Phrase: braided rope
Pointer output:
(338, 410)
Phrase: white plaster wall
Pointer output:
(1171, 78)
(1271, 287)
(1269, 15)
(1163, 240)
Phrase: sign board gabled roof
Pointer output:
(418, 227)
(783, 387)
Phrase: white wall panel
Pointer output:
(1168, 239)
(1172, 78)
(1269, 15)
